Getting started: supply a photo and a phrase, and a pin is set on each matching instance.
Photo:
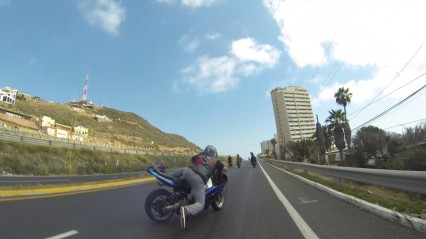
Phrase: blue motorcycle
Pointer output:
(161, 204)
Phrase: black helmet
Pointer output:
(211, 150)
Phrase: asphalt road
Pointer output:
(252, 210)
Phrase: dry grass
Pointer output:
(405, 202)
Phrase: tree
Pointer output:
(416, 161)
(274, 142)
(327, 137)
(348, 133)
(302, 149)
(336, 120)
(282, 152)
(369, 141)
(320, 140)
(343, 97)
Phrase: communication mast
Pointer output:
(86, 82)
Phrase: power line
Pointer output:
(318, 65)
(418, 77)
(396, 76)
(336, 68)
(391, 108)
(406, 123)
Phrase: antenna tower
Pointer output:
(86, 82)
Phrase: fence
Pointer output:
(43, 139)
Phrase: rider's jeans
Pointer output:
(197, 187)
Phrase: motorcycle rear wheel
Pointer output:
(218, 201)
(155, 203)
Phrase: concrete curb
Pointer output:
(10, 195)
(406, 220)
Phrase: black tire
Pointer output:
(219, 200)
(155, 202)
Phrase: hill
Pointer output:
(123, 129)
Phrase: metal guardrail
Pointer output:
(40, 139)
(410, 181)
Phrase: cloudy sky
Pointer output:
(204, 69)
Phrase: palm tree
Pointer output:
(274, 142)
(336, 121)
(343, 97)
(327, 137)
(320, 140)
(348, 133)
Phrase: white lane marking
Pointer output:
(301, 224)
(63, 235)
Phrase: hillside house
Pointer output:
(80, 133)
(50, 127)
(8, 95)
(101, 118)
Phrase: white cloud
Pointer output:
(212, 75)
(189, 44)
(190, 3)
(106, 14)
(248, 50)
(170, 2)
(213, 36)
(199, 3)
(382, 35)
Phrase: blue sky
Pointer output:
(204, 69)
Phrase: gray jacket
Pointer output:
(204, 165)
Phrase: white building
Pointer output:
(293, 114)
(80, 133)
(8, 95)
(50, 127)
(267, 146)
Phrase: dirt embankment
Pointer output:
(12, 122)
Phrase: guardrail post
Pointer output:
(337, 180)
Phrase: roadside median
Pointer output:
(51, 191)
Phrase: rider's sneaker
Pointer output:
(184, 214)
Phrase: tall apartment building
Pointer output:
(293, 114)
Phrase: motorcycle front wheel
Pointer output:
(155, 203)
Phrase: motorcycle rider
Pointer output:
(252, 158)
(203, 167)
(230, 161)
(239, 159)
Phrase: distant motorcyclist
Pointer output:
(239, 160)
(253, 159)
(230, 161)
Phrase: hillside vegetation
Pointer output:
(124, 129)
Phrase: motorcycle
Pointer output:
(161, 204)
(230, 164)
(254, 162)
(238, 163)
